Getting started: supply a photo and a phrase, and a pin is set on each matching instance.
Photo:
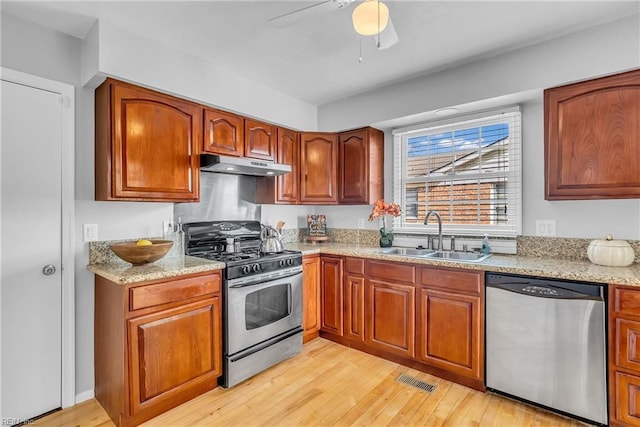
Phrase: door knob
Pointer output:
(49, 269)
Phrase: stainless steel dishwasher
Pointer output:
(546, 343)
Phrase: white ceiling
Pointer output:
(316, 59)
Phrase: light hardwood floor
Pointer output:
(332, 385)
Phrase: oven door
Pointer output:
(262, 307)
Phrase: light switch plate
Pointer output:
(546, 228)
(360, 223)
(89, 232)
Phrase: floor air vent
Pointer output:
(414, 382)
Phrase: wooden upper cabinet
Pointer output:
(361, 169)
(147, 145)
(283, 189)
(318, 168)
(259, 140)
(592, 131)
(223, 133)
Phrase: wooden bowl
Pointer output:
(140, 255)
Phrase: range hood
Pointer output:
(241, 166)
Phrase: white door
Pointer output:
(31, 219)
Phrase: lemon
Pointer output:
(144, 242)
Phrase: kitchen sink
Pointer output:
(458, 256)
(406, 251)
(441, 255)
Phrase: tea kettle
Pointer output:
(271, 240)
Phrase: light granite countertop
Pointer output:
(124, 273)
(530, 266)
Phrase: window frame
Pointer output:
(513, 175)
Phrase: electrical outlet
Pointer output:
(546, 228)
(361, 223)
(89, 232)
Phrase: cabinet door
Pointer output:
(592, 131)
(449, 330)
(627, 398)
(331, 278)
(311, 296)
(360, 158)
(172, 351)
(259, 140)
(288, 153)
(223, 133)
(390, 317)
(354, 307)
(318, 168)
(146, 145)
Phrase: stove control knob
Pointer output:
(246, 269)
(281, 263)
(256, 268)
(290, 261)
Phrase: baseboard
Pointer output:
(84, 396)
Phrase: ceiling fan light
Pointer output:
(366, 20)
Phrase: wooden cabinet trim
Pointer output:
(354, 304)
(311, 296)
(173, 291)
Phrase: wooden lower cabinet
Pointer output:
(354, 307)
(390, 314)
(449, 332)
(429, 318)
(624, 356)
(310, 297)
(331, 294)
(157, 344)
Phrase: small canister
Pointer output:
(230, 244)
(236, 246)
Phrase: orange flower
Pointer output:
(381, 208)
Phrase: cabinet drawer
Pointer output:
(391, 271)
(354, 266)
(627, 301)
(175, 290)
(453, 280)
(627, 399)
(627, 344)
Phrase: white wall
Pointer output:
(602, 50)
(42, 52)
(136, 58)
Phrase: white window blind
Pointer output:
(468, 170)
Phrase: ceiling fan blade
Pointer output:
(388, 36)
(306, 12)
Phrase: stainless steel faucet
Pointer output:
(426, 220)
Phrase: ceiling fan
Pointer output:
(370, 18)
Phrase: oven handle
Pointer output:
(262, 278)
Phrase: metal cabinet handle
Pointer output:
(49, 269)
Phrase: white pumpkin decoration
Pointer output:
(610, 252)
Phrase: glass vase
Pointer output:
(386, 238)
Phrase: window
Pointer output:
(467, 170)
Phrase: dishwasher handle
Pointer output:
(542, 290)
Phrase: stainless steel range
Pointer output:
(262, 296)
